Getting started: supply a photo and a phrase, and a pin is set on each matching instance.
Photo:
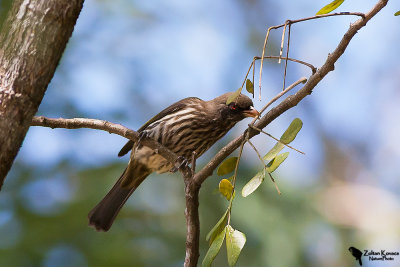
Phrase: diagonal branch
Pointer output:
(292, 100)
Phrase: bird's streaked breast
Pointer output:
(184, 131)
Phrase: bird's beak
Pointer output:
(252, 112)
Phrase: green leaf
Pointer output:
(218, 227)
(227, 166)
(330, 7)
(233, 96)
(397, 13)
(249, 86)
(291, 132)
(274, 151)
(235, 241)
(253, 184)
(214, 249)
(226, 188)
(274, 164)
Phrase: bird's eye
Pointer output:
(233, 107)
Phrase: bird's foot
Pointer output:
(180, 163)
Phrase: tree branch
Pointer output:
(292, 100)
(32, 40)
(192, 224)
(114, 128)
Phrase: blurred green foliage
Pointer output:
(5, 6)
(275, 226)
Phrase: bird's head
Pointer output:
(236, 110)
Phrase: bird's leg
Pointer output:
(181, 162)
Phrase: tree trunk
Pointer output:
(32, 40)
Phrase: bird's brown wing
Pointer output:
(171, 109)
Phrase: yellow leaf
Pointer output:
(227, 166)
(330, 7)
(226, 188)
(249, 86)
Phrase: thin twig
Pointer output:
(273, 180)
(248, 71)
(276, 139)
(290, 87)
(360, 14)
(258, 153)
(293, 22)
(254, 70)
(286, 60)
(265, 166)
(252, 65)
(282, 41)
(292, 100)
(237, 163)
(313, 69)
(234, 177)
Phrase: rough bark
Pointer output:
(32, 40)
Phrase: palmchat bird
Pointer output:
(190, 125)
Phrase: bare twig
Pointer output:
(313, 69)
(265, 166)
(276, 139)
(286, 60)
(110, 127)
(296, 21)
(282, 42)
(290, 87)
(252, 65)
(273, 181)
(292, 100)
(258, 153)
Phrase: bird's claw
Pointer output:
(181, 162)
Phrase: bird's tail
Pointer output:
(103, 215)
(359, 260)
